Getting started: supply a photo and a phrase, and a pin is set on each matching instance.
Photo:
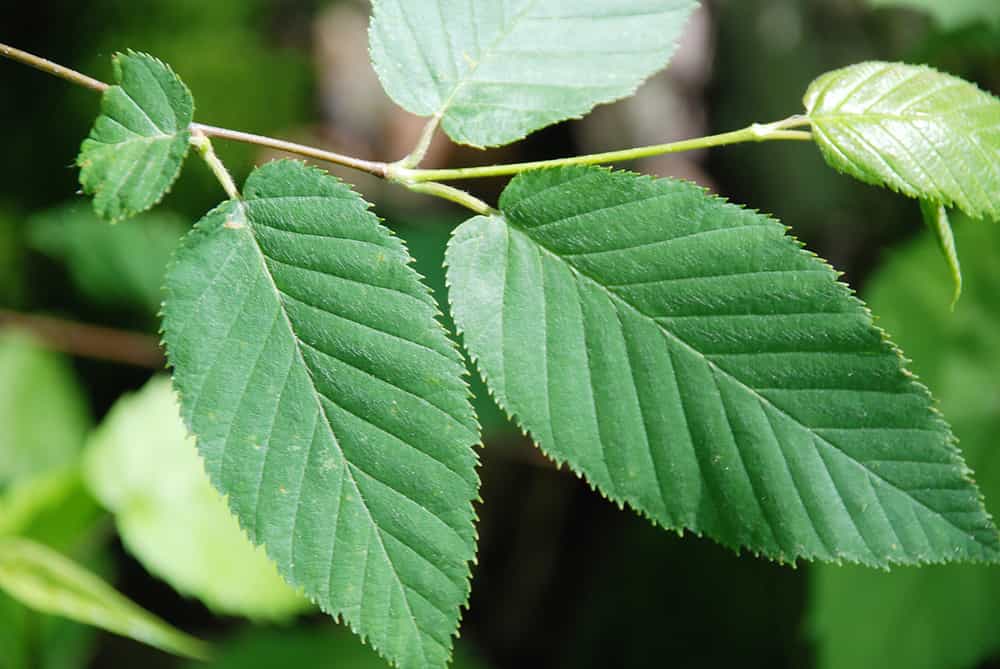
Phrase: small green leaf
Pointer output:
(329, 405)
(936, 219)
(120, 266)
(139, 142)
(43, 411)
(143, 467)
(910, 128)
(43, 579)
(495, 70)
(947, 614)
(691, 360)
(950, 13)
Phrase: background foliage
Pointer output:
(563, 579)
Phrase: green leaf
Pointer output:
(143, 467)
(494, 71)
(42, 579)
(913, 129)
(947, 614)
(950, 13)
(43, 411)
(691, 360)
(936, 220)
(329, 405)
(120, 266)
(139, 142)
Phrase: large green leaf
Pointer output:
(950, 13)
(120, 266)
(43, 579)
(946, 614)
(691, 360)
(138, 143)
(495, 70)
(913, 129)
(143, 467)
(43, 411)
(329, 405)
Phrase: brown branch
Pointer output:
(88, 341)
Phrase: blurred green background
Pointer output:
(563, 578)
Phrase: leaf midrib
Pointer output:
(712, 365)
(241, 207)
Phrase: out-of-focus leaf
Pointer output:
(950, 13)
(144, 468)
(120, 266)
(320, 646)
(43, 411)
(940, 617)
(44, 580)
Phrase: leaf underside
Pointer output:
(496, 70)
(137, 146)
(913, 129)
(329, 405)
(691, 360)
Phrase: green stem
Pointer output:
(757, 132)
(423, 144)
(204, 146)
(451, 193)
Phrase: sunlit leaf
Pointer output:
(145, 469)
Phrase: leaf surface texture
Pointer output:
(691, 360)
(329, 405)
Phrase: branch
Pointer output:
(88, 341)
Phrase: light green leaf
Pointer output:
(495, 70)
(936, 220)
(950, 13)
(120, 266)
(145, 469)
(913, 129)
(691, 360)
(946, 615)
(329, 405)
(42, 409)
(138, 143)
(44, 580)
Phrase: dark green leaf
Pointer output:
(138, 143)
(119, 266)
(691, 360)
(913, 129)
(329, 405)
(495, 70)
